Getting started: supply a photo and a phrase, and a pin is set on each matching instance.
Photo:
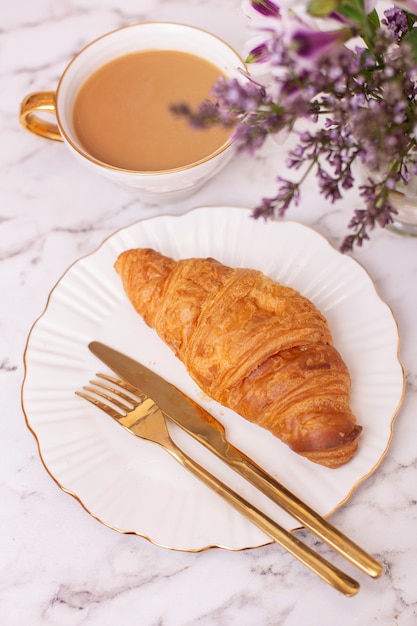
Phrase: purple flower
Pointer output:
(345, 104)
(288, 37)
(378, 211)
(239, 96)
(396, 22)
(288, 193)
(259, 54)
(266, 7)
(311, 44)
(328, 185)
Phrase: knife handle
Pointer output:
(211, 434)
(314, 561)
(214, 438)
(298, 509)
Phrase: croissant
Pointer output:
(257, 347)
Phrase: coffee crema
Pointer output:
(122, 114)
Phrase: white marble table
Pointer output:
(59, 566)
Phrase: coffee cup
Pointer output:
(158, 179)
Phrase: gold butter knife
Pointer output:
(139, 415)
(206, 429)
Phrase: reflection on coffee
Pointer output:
(121, 114)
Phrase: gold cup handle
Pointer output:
(41, 101)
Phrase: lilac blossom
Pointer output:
(359, 104)
(396, 23)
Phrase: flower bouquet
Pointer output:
(352, 75)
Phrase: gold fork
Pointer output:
(139, 414)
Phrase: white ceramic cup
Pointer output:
(156, 185)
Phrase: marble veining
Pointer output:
(61, 566)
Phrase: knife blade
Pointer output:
(206, 429)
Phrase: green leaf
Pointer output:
(353, 11)
(373, 21)
(322, 8)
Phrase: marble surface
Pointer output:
(58, 564)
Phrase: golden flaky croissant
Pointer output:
(255, 346)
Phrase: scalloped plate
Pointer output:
(133, 486)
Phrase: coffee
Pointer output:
(145, 155)
(122, 114)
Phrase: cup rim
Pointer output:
(84, 154)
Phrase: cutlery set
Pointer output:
(141, 401)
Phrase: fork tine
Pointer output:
(124, 385)
(123, 405)
(123, 396)
(101, 405)
(148, 422)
